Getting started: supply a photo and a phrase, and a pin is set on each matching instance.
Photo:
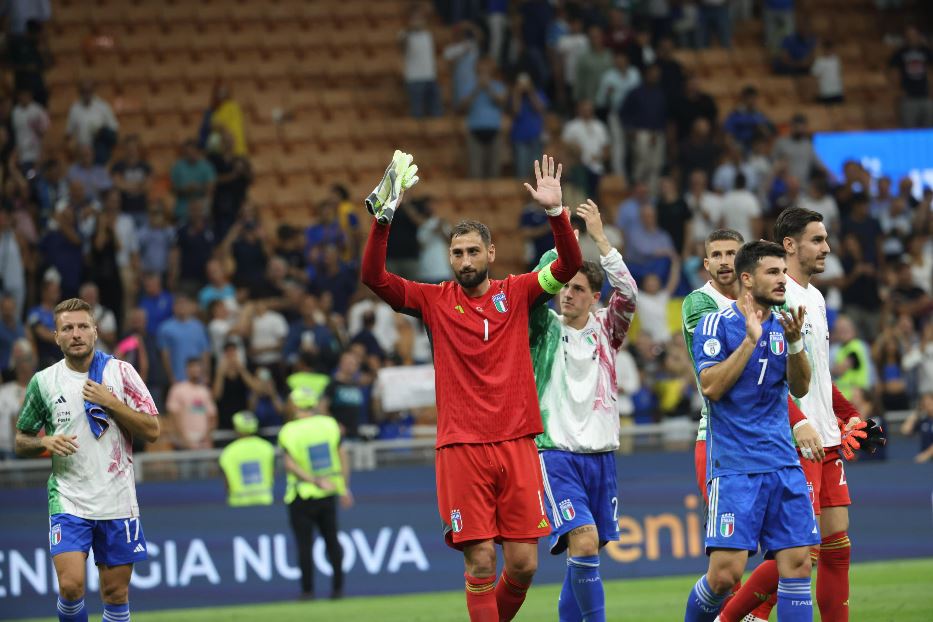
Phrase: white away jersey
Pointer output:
(575, 369)
(817, 404)
(96, 482)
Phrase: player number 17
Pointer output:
(126, 525)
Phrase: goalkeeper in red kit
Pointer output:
(489, 485)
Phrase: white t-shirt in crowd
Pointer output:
(591, 137)
(419, 57)
(828, 72)
(269, 329)
(739, 209)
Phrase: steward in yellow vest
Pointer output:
(248, 464)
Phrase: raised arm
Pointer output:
(389, 287)
(616, 318)
(548, 195)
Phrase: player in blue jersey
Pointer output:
(747, 357)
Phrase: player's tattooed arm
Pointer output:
(31, 446)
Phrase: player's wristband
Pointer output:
(554, 211)
(795, 346)
(800, 423)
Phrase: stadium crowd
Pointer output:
(221, 313)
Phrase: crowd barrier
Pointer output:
(203, 553)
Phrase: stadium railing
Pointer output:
(675, 434)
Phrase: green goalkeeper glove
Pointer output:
(399, 176)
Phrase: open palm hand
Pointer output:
(547, 193)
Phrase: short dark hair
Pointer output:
(472, 226)
(191, 360)
(594, 275)
(792, 222)
(753, 252)
(720, 235)
(341, 191)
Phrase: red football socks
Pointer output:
(832, 578)
(756, 591)
(510, 594)
(481, 599)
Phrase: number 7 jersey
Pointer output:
(747, 430)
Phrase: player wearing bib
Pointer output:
(488, 476)
(747, 358)
(91, 406)
(805, 239)
(248, 464)
(574, 358)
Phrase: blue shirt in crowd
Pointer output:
(184, 339)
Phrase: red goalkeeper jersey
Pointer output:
(484, 381)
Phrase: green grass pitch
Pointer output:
(898, 591)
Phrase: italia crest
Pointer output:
(776, 341)
(55, 536)
(500, 302)
(589, 336)
(566, 510)
(727, 525)
(456, 522)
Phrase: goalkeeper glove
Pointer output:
(876, 437)
(399, 176)
(850, 439)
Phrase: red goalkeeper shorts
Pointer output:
(491, 491)
(827, 480)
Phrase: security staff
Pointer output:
(248, 464)
(318, 473)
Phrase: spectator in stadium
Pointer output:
(247, 245)
(51, 188)
(654, 297)
(348, 218)
(919, 359)
(827, 69)
(881, 198)
(218, 287)
(347, 396)
(91, 123)
(674, 216)
(484, 106)
(860, 286)
(181, 338)
(40, 322)
(904, 298)
(248, 464)
(614, 87)
(195, 241)
(104, 317)
(60, 249)
(13, 393)
(644, 114)
(592, 63)
(913, 62)
(673, 78)
(705, 206)
(797, 149)
(127, 252)
(30, 57)
(866, 229)
(778, 19)
(528, 107)
(896, 223)
(104, 270)
(30, 122)
(463, 54)
(191, 408)
(11, 329)
(649, 248)
(691, 105)
(332, 275)
(325, 229)
(920, 257)
(14, 255)
(268, 330)
(131, 175)
(818, 199)
(741, 211)
(586, 135)
(851, 359)
(155, 301)
(227, 120)
(420, 71)
(887, 355)
(318, 468)
(134, 347)
(746, 122)
(570, 46)
(234, 176)
(265, 400)
(434, 239)
(158, 251)
(699, 151)
(233, 382)
(93, 177)
(715, 18)
(797, 51)
(921, 424)
(311, 336)
(192, 178)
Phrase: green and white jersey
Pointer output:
(817, 404)
(97, 482)
(698, 303)
(575, 370)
